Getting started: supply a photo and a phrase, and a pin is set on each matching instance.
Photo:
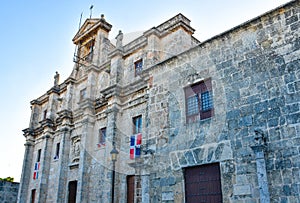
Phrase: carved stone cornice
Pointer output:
(54, 89)
(47, 123)
(111, 91)
(116, 52)
(66, 115)
(70, 80)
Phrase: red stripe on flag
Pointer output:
(139, 139)
(132, 153)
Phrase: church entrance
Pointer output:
(203, 184)
(72, 191)
(130, 189)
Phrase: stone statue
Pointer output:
(56, 79)
(76, 148)
(119, 39)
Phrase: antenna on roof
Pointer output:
(80, 20)
(91, 10)
(75, 58)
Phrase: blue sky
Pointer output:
(36, 38)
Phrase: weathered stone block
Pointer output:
(165, 196)
(242, 189)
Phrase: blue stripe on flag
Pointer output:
(132, 140)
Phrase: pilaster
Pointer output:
(116, 67)
(45, 166)
(84, 160)
(63, 164)
(26, 172)
(259, 147)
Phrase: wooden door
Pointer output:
(72, 191)
(130, 188)
(33, 196)
(203, 184)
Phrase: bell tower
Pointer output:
(92, 42)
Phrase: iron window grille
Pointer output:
(199, 101)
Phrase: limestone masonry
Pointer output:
(8, 191)
(188, 121)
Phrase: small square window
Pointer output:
(138, 67)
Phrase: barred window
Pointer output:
(206, 101)
(193, 105)
(199, 101)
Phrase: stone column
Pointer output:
(63, 164)
(258, 147)
(111, 137)
(26, 172)
(145, 188)
(45, 167)
(84, 161)
(116, 67)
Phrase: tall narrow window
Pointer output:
(89, 50)
(37, 165)
(136, 138)
(57, 151)
(45, 114)
(102, 137)
(82, 94)
(199, 101)
(38, 157)
(137, 124)
(138, 67)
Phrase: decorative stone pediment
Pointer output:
(90, 26)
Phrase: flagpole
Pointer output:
(91, 9)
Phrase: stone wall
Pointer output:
(8, 191)
(255, 75)
(254, 69)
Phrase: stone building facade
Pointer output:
(8, 191)
(218, 120)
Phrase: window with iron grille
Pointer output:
(137, 124)
(138, 67)
(199, 101)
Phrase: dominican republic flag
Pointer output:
(135, 146)
(36, 170)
